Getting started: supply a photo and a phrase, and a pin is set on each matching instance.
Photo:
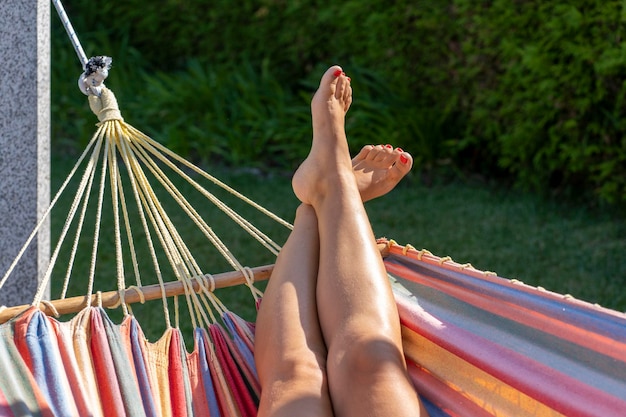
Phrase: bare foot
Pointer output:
(378, 169)
(329, 158)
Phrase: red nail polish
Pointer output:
(388, 146)
(404, 159)
(337, 73)
(399, 150)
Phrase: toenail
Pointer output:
(404, 159)
(337, 73)
(399, 150)
(388, 146)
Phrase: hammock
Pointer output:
(475, 344)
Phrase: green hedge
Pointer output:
(546, 92)
(531, 91)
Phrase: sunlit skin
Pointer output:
(328, 336)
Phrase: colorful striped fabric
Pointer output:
(480, 345)
(476, 345)
(90, 366)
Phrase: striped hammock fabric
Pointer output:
(89, 366)
(480, 345)
(476, 345)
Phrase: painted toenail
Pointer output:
(337, 73)
(404, 159)
(388, 146)
(399, 150)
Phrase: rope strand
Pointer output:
(71, 33)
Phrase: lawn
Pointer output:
(561, 247)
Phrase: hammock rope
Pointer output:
(65, 20)
(116, 142)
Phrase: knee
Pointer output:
(292, 368)
(367, 358)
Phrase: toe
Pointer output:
(374, 152)
(347, 96)
(343, 90)
(403, 164)
(330, 78)
(383, 152)
(363, 154)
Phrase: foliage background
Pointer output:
(528, 92)
(502, 103)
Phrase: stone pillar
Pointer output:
(24, 143)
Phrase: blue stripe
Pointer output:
(209, 389)
(141, 371)
(588, 366)
(588, 318)
(47, 367)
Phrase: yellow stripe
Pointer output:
(486, 391)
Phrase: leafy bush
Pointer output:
(547, 94)
(532, 91)
(237, 117)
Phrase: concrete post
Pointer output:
(24, 143)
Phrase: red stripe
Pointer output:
(529, 317)
(215, 369)
(176, 376)
(198, 393)
(240, 392)
(73, 375)
(548, 386)
(20, 328)
(245, 371)
(108, 387)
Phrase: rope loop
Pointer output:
(50, 307)
(99, 299)
(407, 248)
(423, 252)
(142, 296)
(248, 274)
(211, 280)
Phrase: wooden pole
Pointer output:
(150, 292)
(131, 295)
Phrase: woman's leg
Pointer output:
(289, 347)
(358, 317)
(289, 351)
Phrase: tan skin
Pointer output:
(327, 334)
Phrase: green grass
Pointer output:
(560, 247)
